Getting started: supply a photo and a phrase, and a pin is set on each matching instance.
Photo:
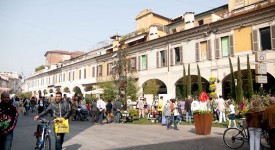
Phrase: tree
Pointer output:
(66, 90)
(151, 87)
(132, 88)
(184, 83)
(239, 83)
(199, 80)
(188, 90)
(45, 92)
(51, 90)
(250, 91)
(109, 88)
(232, 85)
(39, 68)
(78, 92)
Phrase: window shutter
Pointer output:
(93, 72)
(157, 59)
(181, 55)
(197, 53)
(272, 37)
(108, 68)
(217, 48)
(171, 57)
(231, 45)
(255, 40)
(166, 58)
(146, 56)
(138, 62)
(209, 51)
(129, 65)
(97, 67)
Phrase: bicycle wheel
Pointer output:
(47, 142)
(265, 141)
(233, 138)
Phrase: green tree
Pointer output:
(232, 85)
(184, 83)
(51, 90)
(239, 83)
(132, 88)
(39, 68)
(45, 92)
(110, 91)
(151, 87)
(188, 91)
(199, 80)
(250, 91)
(78, 92)
(66, 90)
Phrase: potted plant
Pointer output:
(203, 116)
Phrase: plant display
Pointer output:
(212, 87)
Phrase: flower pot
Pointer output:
(203, 123)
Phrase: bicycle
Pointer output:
(235, 137)
(43, 134)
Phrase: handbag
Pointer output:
(61, 127)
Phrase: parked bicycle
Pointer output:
(43, 135)
(235, 137)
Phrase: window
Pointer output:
(200, 22)
(73, 75)
(69, 76)
(163, 58)
(265, 38)
(177, 55)
(60, 78)
(85, 73)
(225, 46)
(99, 71)
(143, 62)
(203, 51)
(79, 74)
(93, 72)
(109, 68)
(63, 77)
(133, 64)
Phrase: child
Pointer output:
(231, 115)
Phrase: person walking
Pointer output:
(187, 108)
(167, 114)
(109, 107)
(117, 109)
(41, 105)
(221, 109)
(26, 104)
(253, 119)
(61, 108)
(8, 120)
(94, 111)
(140, 106)
(101, 106)
(269, 121)
(175, 113)
(231, 115)
(74, 107)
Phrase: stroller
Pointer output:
(82, 113)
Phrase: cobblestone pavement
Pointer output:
(84, 135)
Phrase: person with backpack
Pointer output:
(26, 104)
(41, 105)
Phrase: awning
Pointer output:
(97, 91)
(4, 89)
(135, 39)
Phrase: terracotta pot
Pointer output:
(203, 123)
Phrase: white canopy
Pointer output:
(97, 91)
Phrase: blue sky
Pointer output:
(28, 28)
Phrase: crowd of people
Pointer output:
(169, 112)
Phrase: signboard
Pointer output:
(260, 57)
(261, 69)
(261, 79)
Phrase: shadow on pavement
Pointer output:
(72, 147)
(204, 143)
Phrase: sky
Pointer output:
(29, 28)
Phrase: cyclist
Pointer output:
(65, 113)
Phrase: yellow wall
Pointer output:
(234, 4)
(203, 47)
(242, 39)
(146, 18)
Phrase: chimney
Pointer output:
(153, 32)
(189, 19)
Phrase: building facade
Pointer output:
(162, 50)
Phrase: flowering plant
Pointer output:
(203, 97)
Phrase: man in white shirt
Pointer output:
(101, 105)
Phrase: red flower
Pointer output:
(203, 97)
